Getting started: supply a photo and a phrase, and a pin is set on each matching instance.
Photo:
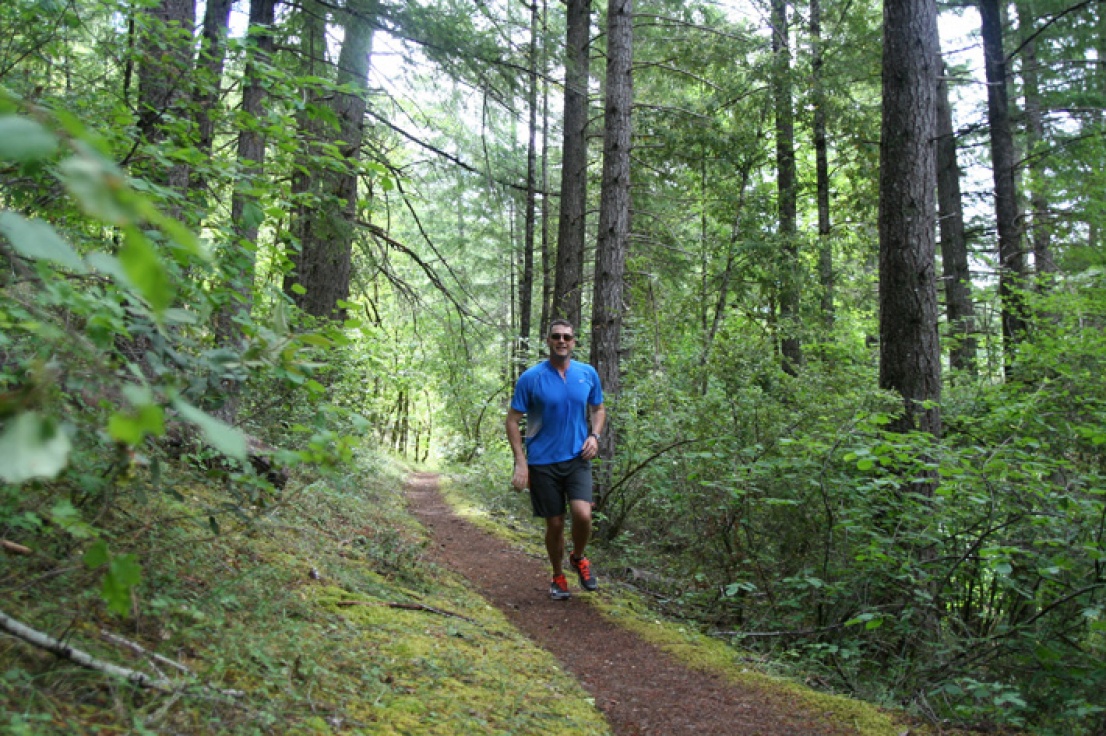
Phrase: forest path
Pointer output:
(639, 688)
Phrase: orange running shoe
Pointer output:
(558, 588)
(583, 569)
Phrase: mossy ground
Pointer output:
(257, 607)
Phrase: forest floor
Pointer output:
(639, 687)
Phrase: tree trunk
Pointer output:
(568, 282)
(526, 285)
(165, 70)
(1011, 252)
(821, 165)
(245, 213)
(325, 262)
(786, 186)
(546, 266)
(213, 53)
(1038, 221)
(910, 358)
(959, 310)
(614, 210)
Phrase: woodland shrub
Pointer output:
(962, 576)
(108, 363)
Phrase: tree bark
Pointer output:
(245, 211)
(910, 358)
(547, 268)
(1011, 251)
(213, 53)
(571, 227)
(959, 309)
(165, 68)
(526, 285)
(614, 217)
(614, 205)
(324, 266)
(821, 166)
(1037, 223)
(786, 187)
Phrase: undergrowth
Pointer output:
(316, 615)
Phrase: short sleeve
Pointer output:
(595, 396)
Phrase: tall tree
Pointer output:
(1037, 222)
(1011, 250)
(165, 55)
(614, 205)
(526, 285)
(239, 258)
(213, 51)
(959, 309)
(910, 357)
(324, 264)
(787, 189)
(546, 265)
(821, 164)
(571, 226)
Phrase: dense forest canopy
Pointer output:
(846, 280)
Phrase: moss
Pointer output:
(255, 608)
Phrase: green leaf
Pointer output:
(39, 241)
(109, 265)
(66, 516)
(252, 215)
(123, 574)
(96, 183)
(220, 435)
(132, 427)
(299, 289)
(145, 269)
(32, 446)
(22, 139)
(96, 555)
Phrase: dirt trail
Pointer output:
(641, 689)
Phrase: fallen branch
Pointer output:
(143, 652)
(762, 634)
(65, 651)
(408, 607)
(15, 549)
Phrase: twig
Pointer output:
(65, 651)
(15, 549)
(143, 652)
(408, 607)
(764, 634)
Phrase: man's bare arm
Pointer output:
(520, 478)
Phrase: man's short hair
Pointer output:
(562, 323)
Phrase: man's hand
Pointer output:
(591, 448)
(521, 479)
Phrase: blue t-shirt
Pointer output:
(556, 410)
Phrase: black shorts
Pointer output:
(551, 486)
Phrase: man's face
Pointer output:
(561, 340)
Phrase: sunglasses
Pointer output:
(560, 336)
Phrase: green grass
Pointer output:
(256, 608)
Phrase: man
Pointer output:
(555, 395)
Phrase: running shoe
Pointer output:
(583, 569)
(558, 588)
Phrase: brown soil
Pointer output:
(641, 689)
